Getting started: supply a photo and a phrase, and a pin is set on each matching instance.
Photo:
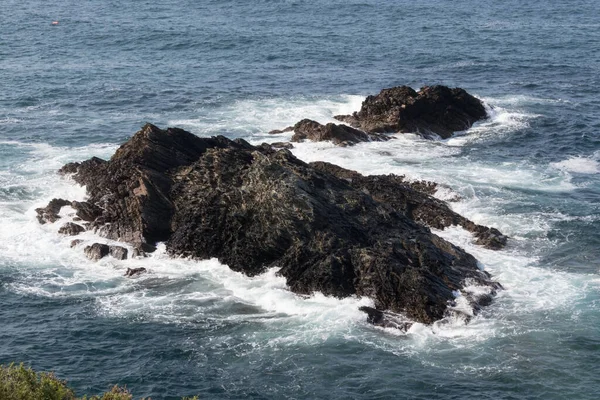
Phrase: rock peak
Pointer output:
(432, 111)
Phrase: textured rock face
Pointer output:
(96, 251)
(255, 207)
(118, 252)
(434, 110)
(71, 229)
(340, 135)
(413, 200)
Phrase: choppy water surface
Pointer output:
(82, 87)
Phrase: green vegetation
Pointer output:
(20, 383)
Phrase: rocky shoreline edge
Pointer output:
(327, 229)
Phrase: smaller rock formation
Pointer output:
(76, 242)
(118, 252)
(279, 131)
(434, 110)
(135, 271)
(50, 212)
(71, 229)
(341, 135)
(96, 251)
(386, 319)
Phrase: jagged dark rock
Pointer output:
(414, 200)
(71, 229)
(386, 319)
(257, 207)
(76, 242)
(96, 251)
(341, 135)
(279, 131)
(434, 110)
(134, 271)
(398, 182)
(118, 252)
(86, 211)
(50, 212)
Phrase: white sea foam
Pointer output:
(258, 117)
(579, 165)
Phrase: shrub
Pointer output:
(20, 383)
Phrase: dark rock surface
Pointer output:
(341, 135)
(86, 211)
(71, 229)
(386, 319)
(50, 212)
(118, 252)
(434, 110)
(76, 242)
(135, 271)
(279, 131)
(96, 251)
(256, 207)
(414, 200)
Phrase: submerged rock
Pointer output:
(386, 319)
(134, 271)
(434, 110)
(255, 208)
(279, 131)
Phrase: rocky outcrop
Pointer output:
(118, 252)
(414, 200)
(50, 212)
(255, 208)
(96, 251)
(71, 229)
(434, 110)
(341, 135)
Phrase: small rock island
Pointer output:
(327, 229)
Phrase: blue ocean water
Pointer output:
(82, 87)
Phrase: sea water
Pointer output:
(82, 87)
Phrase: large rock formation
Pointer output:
(255, 207)
(434, 110)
